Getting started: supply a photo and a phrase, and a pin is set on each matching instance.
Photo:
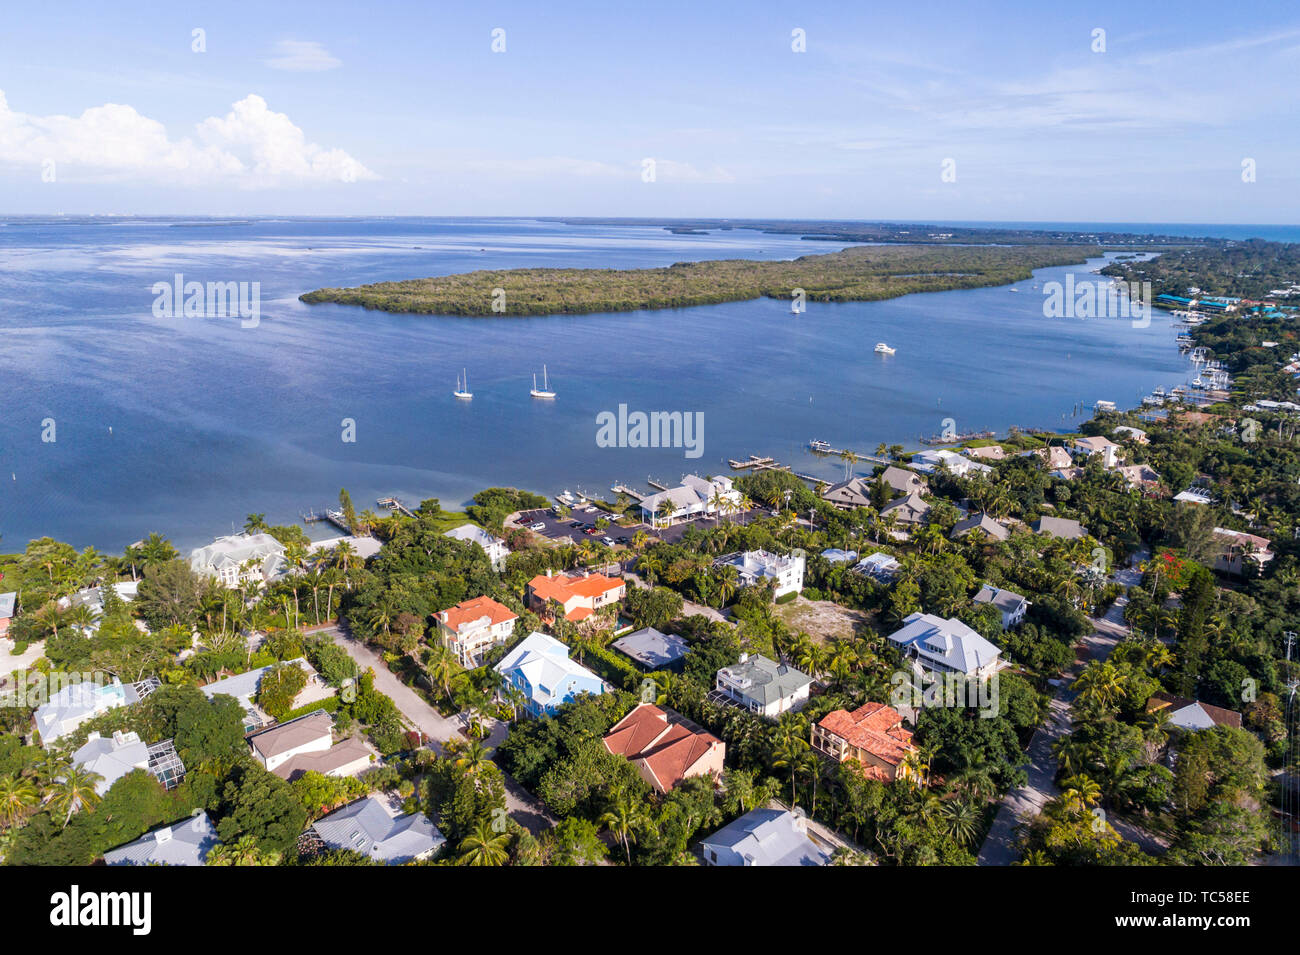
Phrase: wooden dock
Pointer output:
(754, 462)
(396, 506)
(624, 489)
(656, 485)
(823, 448)
(332, 516)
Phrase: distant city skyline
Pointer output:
(1007, 112)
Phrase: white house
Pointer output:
(755, 566)
(306, 745)
(493, 546)
(946, 646)
(879, 566)
(363, 547)
(694, 496)
(244, 686)
(762, 686)
(73, 705)
(111, 757)
(240, 559)
(1011, 605)
(473, 627)
(957, 464)
(1096, 444)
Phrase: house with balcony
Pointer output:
(873, 734)
(1011, 605)
(757, 566)
(946, 646)
(762, 686)
(540, 669)
(473, 627)
(1237, 549)
(580, 595)
(240, 559)
(493, 546)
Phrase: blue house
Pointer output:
(540, 668)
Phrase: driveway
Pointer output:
(522, 806)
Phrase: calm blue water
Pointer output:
(211, 421)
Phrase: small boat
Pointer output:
(462, 387)
(883, 349)
(820, 446)
(545, 390)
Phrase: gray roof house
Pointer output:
(112, 757)
(240, 558)
(368, 826)
(1063, 527)
(7, 602)
(765, 837)
(72, 705)
(652, 649)
(911, 509)
(903, 481)
(855, 492)
(244, 687)
(762, 686)
(993, 529)
(946, 646)
(1011, 605)
(182, 843)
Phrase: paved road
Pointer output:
(1022, 804)
(523, 807)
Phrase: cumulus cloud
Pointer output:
(250, 146)
(302, 56)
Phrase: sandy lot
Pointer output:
(821, 619)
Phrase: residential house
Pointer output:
(910, 510)
(540, 668)
(756, 566)
(306, 744)
(652, 649)
(73, 705)
(473, 627)
(580, 595)
(989, 452)
(1137, 434)
(904, 481)
(493, 546)
(1237, 549)
(665, 747)
(1110, 452)
(850, 494)
(1066, 528)
(879, 566)
(93, 597)
(694, 497)
(182, 843)
(1011, 605)
(1054, 458)
(244, 686)
(957, 464)
(762, 686)
(1192, 714)
(240, 559)
(7, 604)
(946, 646)
(1141, 477)
(376, 828)
(111, 757)
(872, 734)
(835, 555)
(765, 837)
(992, 529)
(363, 547)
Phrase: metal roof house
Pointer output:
(652, 649)
(183, 843)
(240, 558)
(762, 686)
(946, 646)
(1011, 605)
(540, 668)
(493, 546)
(765, 837)
(73, 705)
(370, 827)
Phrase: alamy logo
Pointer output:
(74, 907)
(209, 300)
(1089, 299)
(656, 429)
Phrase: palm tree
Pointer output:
(244, 852)
(472, 757)
(18, 797)
(623, 818)
(960, 820)
(483, 846)
(75, 790)
(789, 752)
(255, 524)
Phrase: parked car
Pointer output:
(607, 541)
(539, 526)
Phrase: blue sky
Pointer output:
(403, 108)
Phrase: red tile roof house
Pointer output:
(872, 734)
(665, 747)
(472, 627)
(580, 595)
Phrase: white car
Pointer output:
(607, 541)
(539, 526)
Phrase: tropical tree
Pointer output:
(484, 846)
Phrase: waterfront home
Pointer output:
(580, 595)
(244, 687)
(7, 603)
(183, 843)
(694, 497)
(850, 494)
(306, 744)
(765, 837)
(493, 546)
(652, 649)
(473, 627)
(903, 481)
(762, 686)
(240, 559)
(92, 598)
(1097, 444)
(1011, 605)
(879, 566)
(362, 547)
(756, 566)
(957, 464)
(1066, 528)
(1136, 434)
(665, 747)
(1189, 714)
(834, 555)
(980, 521)
(990, 452)
(1237, 549)
(945, 645)
(73, 705)
(375, 827)
(872, 734)
(540, 668)
(911, 509)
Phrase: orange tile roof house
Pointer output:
(580, 595)
(664, 746)
(872, 734)
(473, 627)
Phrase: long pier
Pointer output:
(624, 489)
(332, 516)
(821, 447)
(393, 504)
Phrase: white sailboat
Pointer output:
(545, 390)
(462, 386)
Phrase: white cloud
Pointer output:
(250, 146)
(302, 56)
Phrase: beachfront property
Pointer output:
(580, 595)
(850, 494)
(112, 757)
(762, 686)
(244, 686)
(664, 746)
(183, 843)
(1011, 605)
(765, 837)
(694, 497)
(652, 649)
(473, 627)
(957, 464)
(945, 645)
(73, 705)
(872, 734)
(757, 566)
(1066, 528)
(493, 546)
(879, 566)
(306, 744)
(375, 827)
(240, 559)
(1237, 549)
(980, 521)
(540, 669)
(1191, 715)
